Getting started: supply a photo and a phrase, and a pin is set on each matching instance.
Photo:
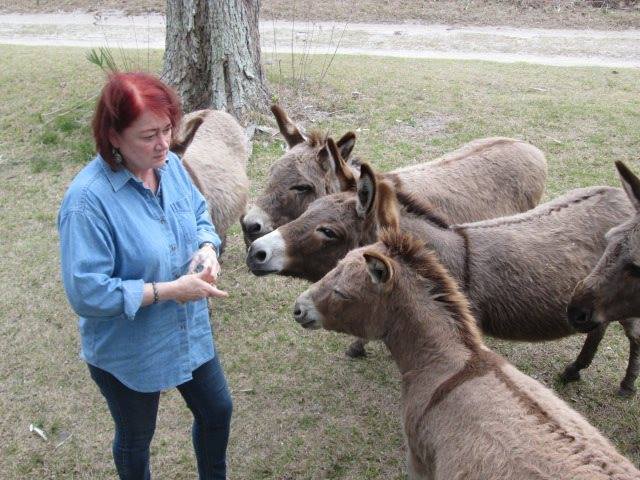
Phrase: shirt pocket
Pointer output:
(186, 218)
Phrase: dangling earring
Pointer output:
(117, 156)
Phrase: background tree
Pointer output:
(212, 55)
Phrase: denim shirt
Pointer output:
(116, 235)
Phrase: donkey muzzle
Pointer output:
(305, 313)
(266, 254)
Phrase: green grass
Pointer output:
(302, 410)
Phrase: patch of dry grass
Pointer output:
(302, 410)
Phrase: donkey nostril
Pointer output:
(261, 255)
(298, 312)
(254, 227)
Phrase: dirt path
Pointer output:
(618, 49)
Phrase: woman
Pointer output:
(133, 233)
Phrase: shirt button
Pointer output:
(173, 248)
(182, 327)
(163, 221)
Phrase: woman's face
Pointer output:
(145, 143)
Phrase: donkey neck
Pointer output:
(449, 244)
(424, 336)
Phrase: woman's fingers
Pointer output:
(215, 292)
(206, 274)
(210, 289)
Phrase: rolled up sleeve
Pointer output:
(87, 264)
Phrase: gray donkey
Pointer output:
(517, 271)
(612, 290)
(485, 178)
(467, 413)
(214, 151)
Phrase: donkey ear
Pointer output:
(339, 166)
(288, 130)
(324, 159)
(366, 188)
(346, 144)
(630, 183)
(186, 131)
(387, 207)
(379, 267)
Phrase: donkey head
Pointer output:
(305, 172)
(375, 287)
(312, 244)
(612, 290)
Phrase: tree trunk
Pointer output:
(212, 55)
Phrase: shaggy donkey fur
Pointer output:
(214, 152)
(467, 413)
(517, 271)
(485, 178)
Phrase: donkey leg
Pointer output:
(632, 331)
(357, 349)
(572, 372)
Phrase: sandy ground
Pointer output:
(620, 48)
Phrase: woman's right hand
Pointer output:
(194, 286)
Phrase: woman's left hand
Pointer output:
(204, 258)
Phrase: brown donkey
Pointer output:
(612, 290)
(517, 271)
(467, 412)
(486, 178)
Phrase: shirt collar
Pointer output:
(120, 177)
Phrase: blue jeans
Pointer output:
(134, 414)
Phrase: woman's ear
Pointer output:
(114, 138)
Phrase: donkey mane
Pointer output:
(424, 262)
(316, 138)
(413, 205)
(424, 209)
(420, 208)
(528, 216)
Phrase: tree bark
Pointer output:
(212, 55)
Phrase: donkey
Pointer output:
(467, 413)
(486, 178)
(517, 271)
(214, 152)
(612, 290)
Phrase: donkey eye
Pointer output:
(327, 232)
(633, 269)
(302, 188)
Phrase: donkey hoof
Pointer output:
(356, 350)
(570, 374)
(626, 392)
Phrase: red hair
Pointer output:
(124, 98)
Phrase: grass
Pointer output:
(302, 410)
